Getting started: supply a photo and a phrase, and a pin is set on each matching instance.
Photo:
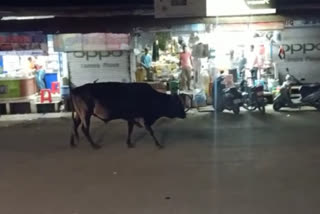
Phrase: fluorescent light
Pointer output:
(8, 18)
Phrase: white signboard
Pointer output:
(106, 66)
(302, 48)
(180, 8)
(205, 8)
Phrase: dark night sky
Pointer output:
(113, 2)
(72, 2)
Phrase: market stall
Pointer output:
(23, 56)
(165, 46)
(243, 51)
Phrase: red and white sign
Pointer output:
(27, 41)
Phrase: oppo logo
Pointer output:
(304, 48)
(96, 54)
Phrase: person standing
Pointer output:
(233, 66)
(253, 64)
(146, 62)
(39, 75)
(242, 61)
(31, 64)
(186, 66)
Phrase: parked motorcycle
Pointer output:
(308, 94)
(225, 98)
(253, 97)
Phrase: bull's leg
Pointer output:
(75, 134)
(86, 132)
(130, 129)
(137, 124)
(149, 129)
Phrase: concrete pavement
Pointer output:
(211, 165)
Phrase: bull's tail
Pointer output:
(72, 106)
(74, 133)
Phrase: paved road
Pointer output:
(250, 164)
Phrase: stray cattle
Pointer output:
(127, 101)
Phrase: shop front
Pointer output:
(23, 55)
(242, 51)
(247, 53)
(165, 46)
(96, 57)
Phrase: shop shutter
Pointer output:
(106, 66)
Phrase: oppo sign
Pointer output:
(301, 48)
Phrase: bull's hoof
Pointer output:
(131, 146)
(72, 142)
(160, 146)
(73, 145)
(96, 146)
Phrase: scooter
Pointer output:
(253, 97)
(308, 94)
(225, 98)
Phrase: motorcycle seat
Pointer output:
(314, 85)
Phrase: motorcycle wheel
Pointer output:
(247, 106)
(236, 109)
(277, 106)
(219, 110)
(261, 106)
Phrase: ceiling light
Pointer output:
(8, 18)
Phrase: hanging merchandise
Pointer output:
(200, 50)
(181, 42)
(163, 38)
(212, 53)
(155, 51)
(282, 53)
(204, 81)
(193, 39)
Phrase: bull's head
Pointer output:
(176, 108)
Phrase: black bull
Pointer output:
(127, 101)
